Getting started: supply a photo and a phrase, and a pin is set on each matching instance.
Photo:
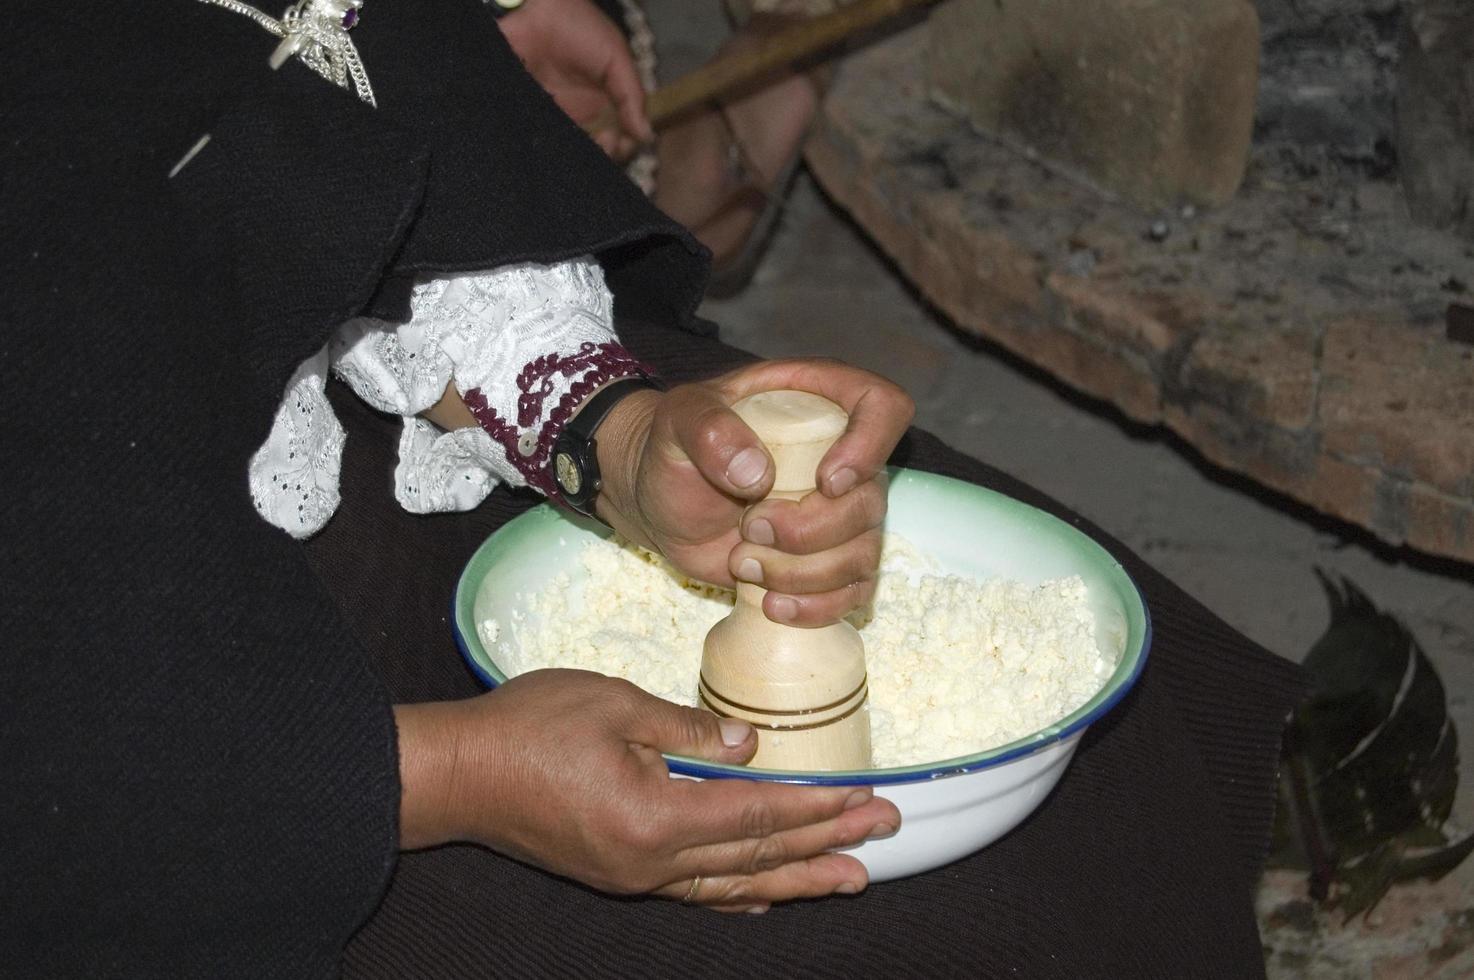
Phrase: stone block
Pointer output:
(1252, 371)
(1113, 376)
(1406, 408)
(1347, 491)
(979, 275)
(1151, 99)
(1148, 322)
(1432, 516)
(1004, 285)
(1265, 365)
(1435, 114)
(1284, 460)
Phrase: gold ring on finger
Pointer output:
(690, 895)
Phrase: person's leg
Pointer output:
(1140, 864)
(724, 170)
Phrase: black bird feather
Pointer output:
(1371, 760)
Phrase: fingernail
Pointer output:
(842, 481)
(734, 731)
(880, 830)
(848, 888)
(750, 570)
(858, 798)
(747, 467)
(757, 910)
(784, 609)
(760, 531)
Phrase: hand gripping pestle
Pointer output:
(804, 690)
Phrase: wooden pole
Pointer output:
(804, 40)
(732, 72)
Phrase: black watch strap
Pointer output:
(575, 461)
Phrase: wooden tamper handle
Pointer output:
(804, 690)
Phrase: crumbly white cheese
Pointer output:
(956, 666)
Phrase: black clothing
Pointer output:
(199, 756)
(200, 767)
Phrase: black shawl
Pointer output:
(200, 768)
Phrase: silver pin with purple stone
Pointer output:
(316, 31)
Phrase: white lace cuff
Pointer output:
(525, 344)
(294, 475)
(443, 471)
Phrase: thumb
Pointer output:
(690, 731)
(622, 81)
(724, 450)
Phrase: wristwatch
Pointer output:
(575, 461)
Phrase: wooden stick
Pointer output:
(793, 44)
(731, 72)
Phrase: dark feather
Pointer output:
(1373, 756)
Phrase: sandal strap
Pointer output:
(747, 196)
(744, 167)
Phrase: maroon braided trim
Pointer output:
(599, 364)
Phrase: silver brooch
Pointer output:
(317, 32)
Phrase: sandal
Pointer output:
(725, 172)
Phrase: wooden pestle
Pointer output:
(804, 690)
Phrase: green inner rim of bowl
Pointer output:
(544, 527)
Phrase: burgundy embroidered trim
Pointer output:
(598, 363)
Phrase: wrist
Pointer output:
(620, 445)
(429, 758)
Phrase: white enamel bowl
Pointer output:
(951, 807)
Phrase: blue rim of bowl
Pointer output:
(992, 758)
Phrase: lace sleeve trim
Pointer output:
(525, 343)
(293, 477)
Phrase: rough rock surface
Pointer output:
(1151, 99)
(1422, 930)
(1327, 77)
(1296, 334)
(1435, 114)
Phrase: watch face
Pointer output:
(567, 474)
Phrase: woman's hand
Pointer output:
(562, 769)
(683, 474)
(583, 61)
